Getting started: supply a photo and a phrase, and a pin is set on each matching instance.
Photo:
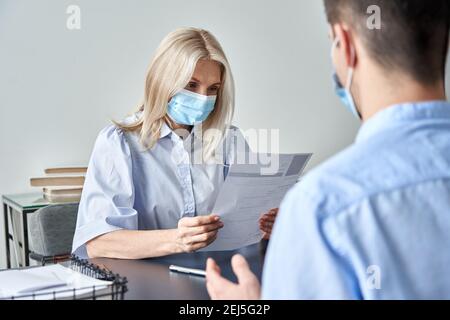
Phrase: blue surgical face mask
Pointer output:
(344, 93)
(190, 108)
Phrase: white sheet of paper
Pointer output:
(43, 281)
(246, 194)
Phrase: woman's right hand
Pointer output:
(196, 233)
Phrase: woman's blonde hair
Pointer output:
(170, 71)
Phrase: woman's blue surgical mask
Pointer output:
(190, 108)
(344, 93)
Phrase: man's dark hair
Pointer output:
(413, 37)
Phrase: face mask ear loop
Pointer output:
(351, 70)
(350, 77)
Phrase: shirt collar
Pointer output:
(166, 131)
(401, 113)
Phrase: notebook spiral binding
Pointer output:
(115, 291)
(119, 284)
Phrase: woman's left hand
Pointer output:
(267, 221)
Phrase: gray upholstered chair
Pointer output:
(51, 231)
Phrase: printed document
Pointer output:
(249, 191)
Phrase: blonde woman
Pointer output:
(154, 177)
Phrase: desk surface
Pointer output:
(151, 279)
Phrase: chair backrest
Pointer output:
(51, 229)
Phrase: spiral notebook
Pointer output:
(78, 280)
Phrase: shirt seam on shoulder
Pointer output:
(379, 192)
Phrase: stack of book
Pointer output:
(61, 184)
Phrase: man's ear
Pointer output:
(346, 44)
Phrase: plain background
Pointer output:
(59, 88)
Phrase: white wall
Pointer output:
(58, 88)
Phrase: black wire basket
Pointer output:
(115, 290)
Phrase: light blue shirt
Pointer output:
(374, 221)
(130, 188)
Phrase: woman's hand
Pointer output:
(196, 233)
(266, 223)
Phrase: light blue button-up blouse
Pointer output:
(127, 187)
(373, 222)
